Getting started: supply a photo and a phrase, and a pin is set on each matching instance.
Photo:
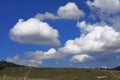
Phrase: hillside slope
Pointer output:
(116, 68)
(8, 64)
(13, 73)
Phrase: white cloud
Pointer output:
(107, 10)
(82, 58)
(35, 59)
(114, 21)
(94, 39)
(35, 32)
(17, 60)
(84, 28)
(47, 15)
(68, 11)
(40, 55)
(107, 6)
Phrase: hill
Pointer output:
(29, 73)
(13, 71)
(4, 64)
(116, 68)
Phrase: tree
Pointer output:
(2, 65)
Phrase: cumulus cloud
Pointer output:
(82, 58)
(107, 6)
(16, 59)
(68, 11)
(35, 59)
(107, 10)
(41, 55)
(35, 32)
(114, 21)
(94, 39)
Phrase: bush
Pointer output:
(2, 65)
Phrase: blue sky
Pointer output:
(60, 33)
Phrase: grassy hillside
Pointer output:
(26, 73)
(8, 64)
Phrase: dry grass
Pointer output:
(18, 78)
(20, 73)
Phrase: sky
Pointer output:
(60, 33)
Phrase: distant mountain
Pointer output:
(8, 64)
(116, 68)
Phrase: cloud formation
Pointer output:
(68, 11)
(41, 55)
(35, 32)
(16, 59)
(107, 6)
(35, 58)
(94, 39)
(45, 16)
(108, 11)
(82, 58)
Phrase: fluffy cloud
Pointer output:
(68, 11)
(16, 59)
(35, 32)
(108, 11)
(94, 39)
(35, 59)
(82, 58)
(114, 21)
(107, 6)
(40, 55)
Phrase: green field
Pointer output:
(26, 73)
